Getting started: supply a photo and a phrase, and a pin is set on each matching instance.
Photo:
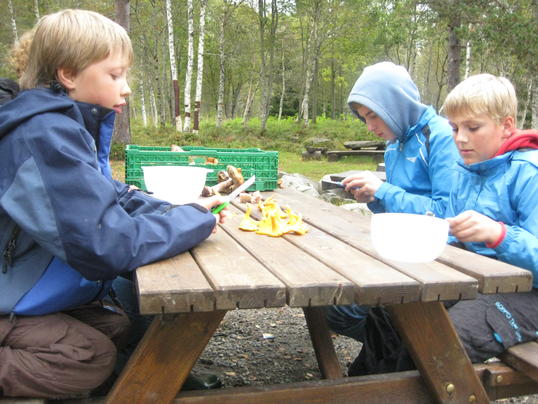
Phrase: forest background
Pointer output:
(273, 73)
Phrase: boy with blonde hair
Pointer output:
(66, 229)
(493, 209)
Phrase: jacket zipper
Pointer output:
(10, 249)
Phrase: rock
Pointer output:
(363, 144)
(318, 143)
(312, 155)
(300, 183)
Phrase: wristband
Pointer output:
(499, 240)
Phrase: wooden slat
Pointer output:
(237, 278)
(172, 286)
(523, 357)
(375, 281)
(400, 387)
(493, 276)
(438, 281)
(308, 281)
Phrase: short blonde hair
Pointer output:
(482, 94)
(72, 39)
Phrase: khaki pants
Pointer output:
(59, 355)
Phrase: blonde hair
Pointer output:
(482, 94)
(71, 39)
(18, 54)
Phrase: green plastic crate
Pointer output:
(253, 161)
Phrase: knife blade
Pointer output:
(234, 194)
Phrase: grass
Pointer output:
(285, 136)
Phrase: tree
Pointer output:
(190, 63)
(122, 131)
(173, 69)
(200, 69)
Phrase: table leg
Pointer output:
(321, 340)
(164, 357)
(437, 351)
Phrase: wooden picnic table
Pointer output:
(334, 263)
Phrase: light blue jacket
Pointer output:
(504, 188)
(420, 163)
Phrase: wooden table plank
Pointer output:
(493, 276)
(237, 278)
(375, 282)
(438, 281)
(172, 286)
(308, 281)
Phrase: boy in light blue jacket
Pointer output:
(493, 209)
(419, 160)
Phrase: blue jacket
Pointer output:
(504, 188)
(420, 163)
(78, 228)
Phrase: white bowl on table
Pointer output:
(175, 184)
(408, 237)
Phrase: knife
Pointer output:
(234, 194)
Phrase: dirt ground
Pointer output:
(272, 346)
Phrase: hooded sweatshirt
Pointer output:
(420, 162)
(504, 188)
(66, 230)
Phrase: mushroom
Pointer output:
(236, 175)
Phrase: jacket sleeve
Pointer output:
(75, 212)
(441, 158)
(520, 245)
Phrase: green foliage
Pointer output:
(285, 134)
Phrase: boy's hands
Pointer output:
(211, 202)
(362, 186)
(471, 226)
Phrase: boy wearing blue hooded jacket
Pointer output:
(419, 160)
(493, 209)
(67, 230)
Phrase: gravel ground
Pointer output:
(272, 346)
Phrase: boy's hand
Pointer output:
(211, 202)
(363, 186)
(471, 226)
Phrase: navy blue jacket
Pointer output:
(78, 228)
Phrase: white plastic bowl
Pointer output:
(408, 237)
(175, 184)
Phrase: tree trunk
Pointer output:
(13, 23)
(122, 131)
(220, 101)
(173, 69)
(534, 111)
(190, 62)
(454, 52)
(200, 70)
(36, 9)
(283, 90)
(143, 104)
(262, 21)
(153, 104)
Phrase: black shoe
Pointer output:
(202, 381)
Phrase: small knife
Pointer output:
(234, 194)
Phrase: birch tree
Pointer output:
(200, 69)
(190, 63)
(13, 22)
(36, 9)
(173, 68)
